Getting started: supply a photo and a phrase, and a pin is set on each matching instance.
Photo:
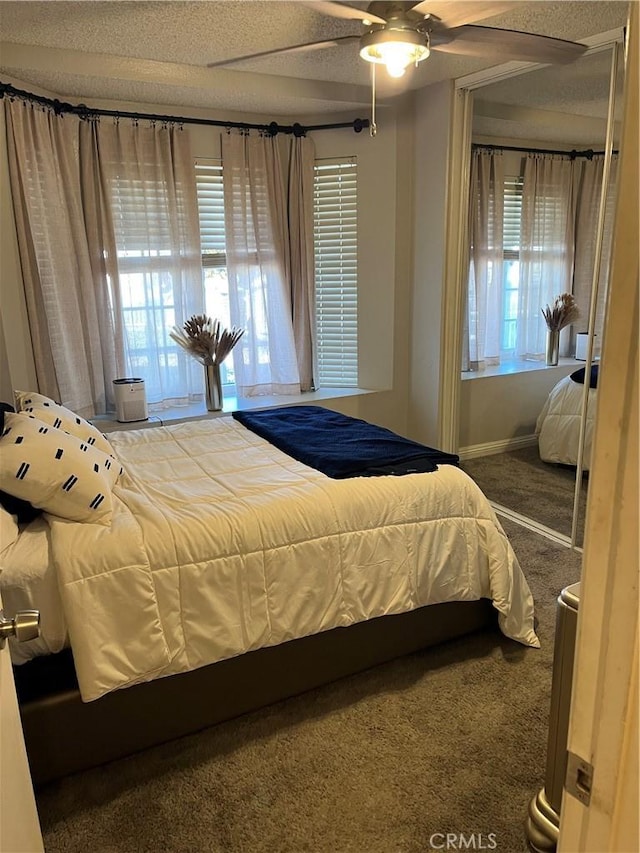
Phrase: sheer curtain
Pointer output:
(484, 294)
(546, 247)
(141, 206)
(71, 337)
(258, 265)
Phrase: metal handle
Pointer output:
(24, 626)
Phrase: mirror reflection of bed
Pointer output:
(519, 435)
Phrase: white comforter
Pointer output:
(558, 424)
(220, 544)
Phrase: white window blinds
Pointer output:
(511, 220)
(512, 215)
(336, 272)
(211, 211)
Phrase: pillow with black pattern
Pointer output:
(47, 410)
(23, 510)
(56, 471)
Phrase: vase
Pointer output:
(553, 346)
(213, 387)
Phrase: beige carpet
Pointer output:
(448, 740)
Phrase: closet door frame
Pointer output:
(457, 251)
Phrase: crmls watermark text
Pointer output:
(463, 841)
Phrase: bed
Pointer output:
(228, 575)
(558, 425)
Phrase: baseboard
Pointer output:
(490, 448)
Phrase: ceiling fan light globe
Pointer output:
(397, 49)
(396, 69)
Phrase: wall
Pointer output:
(433, 112)
(499, 408)
(383, 345)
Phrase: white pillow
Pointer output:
(56, 471)
(9, 529)
(59, 416)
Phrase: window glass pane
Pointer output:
(216, 290)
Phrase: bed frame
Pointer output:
(64, 735)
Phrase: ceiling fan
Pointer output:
(399, 34)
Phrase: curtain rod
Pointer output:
(85, 112)
(589, 153)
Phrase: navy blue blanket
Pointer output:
(578, 376)
(341, 446)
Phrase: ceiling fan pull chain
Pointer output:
(373, 128)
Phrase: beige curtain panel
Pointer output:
(484, 295)
(73, 359)
(589, 188)
(301, 253)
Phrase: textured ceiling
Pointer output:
(565, 104)
(157, 52)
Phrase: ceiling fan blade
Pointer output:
(294, 48)
(453, 14)
(506, 45)
(341, 10)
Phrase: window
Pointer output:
(146, 291)
(512, 214)
(523, 230)
(214, 259)
(147, 297)
(336, 262)
(335, 239)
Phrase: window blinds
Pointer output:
(211, 211)
(512, 216)
(336, 272)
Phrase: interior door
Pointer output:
(19, 824)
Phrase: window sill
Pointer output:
(198, 411)
(519, 366)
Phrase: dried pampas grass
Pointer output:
(205, 339)
(563, 311)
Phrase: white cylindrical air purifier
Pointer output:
(581, 345)
(131, 400)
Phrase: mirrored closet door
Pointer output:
(541, 192)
